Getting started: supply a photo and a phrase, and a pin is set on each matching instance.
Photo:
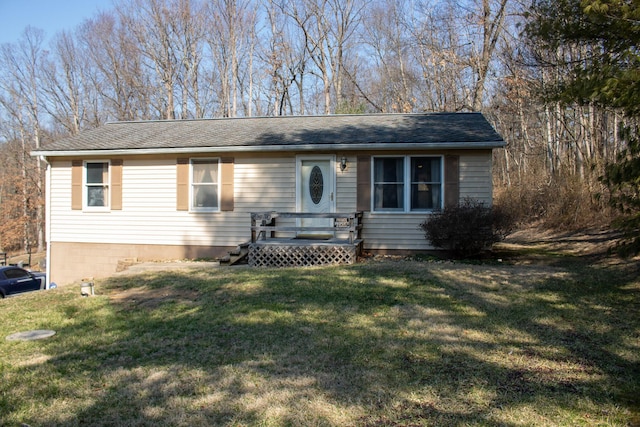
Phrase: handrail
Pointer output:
(263, 222)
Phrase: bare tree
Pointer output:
(386, 37)
(12, 187)
(231, 40)
(328, 27)
(20, 97)
(444, 83)
(116, 72)
(284, 58)
(152, 23)
(189, 32)
(63, 84)
(490, 14)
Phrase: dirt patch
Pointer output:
(177, 265)
(536, 245)
(152, 298)
(595, 242)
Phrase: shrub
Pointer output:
(467, 229)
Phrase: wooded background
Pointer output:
(189, 59)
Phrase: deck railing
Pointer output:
(263, 223)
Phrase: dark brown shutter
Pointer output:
(226, 178)
(182, 183)
(76, 184)
(116, 184)
(363, 186)
(451, 181)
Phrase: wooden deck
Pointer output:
(274, 245)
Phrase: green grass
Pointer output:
(404, 343)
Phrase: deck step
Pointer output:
(235, 256)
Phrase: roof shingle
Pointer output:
(465, 129)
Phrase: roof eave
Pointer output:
(272, 148)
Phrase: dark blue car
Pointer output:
(15, 280)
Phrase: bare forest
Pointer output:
(191, 59)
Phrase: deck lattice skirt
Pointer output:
(283, 255)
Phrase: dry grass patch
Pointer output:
(394, 342)
(150, 299)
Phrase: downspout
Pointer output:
(47, 221)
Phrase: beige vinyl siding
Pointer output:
(265, 184)
(476, 177)
(149, 214)
(346, 188)
(400, 231)
(385, 231)
(388, 231)
(346, 185)
(60, 197)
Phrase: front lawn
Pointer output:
(394, 342)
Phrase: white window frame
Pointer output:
(86, 185)
(192, 207)
(407, 184)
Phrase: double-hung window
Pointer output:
(407, 183)
(389, 184)
(205, 183)
(96, 184)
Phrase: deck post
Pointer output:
(266, 219)
(253, 229)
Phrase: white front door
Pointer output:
(316, 188)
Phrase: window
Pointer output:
(426, 179)
(96, 184)
(204, 185)
(402, 184)
(388, 183)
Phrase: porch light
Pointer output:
(343, 163)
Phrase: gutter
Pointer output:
(275, 148)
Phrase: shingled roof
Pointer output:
(305, 133)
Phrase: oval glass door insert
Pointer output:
(316, 184)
